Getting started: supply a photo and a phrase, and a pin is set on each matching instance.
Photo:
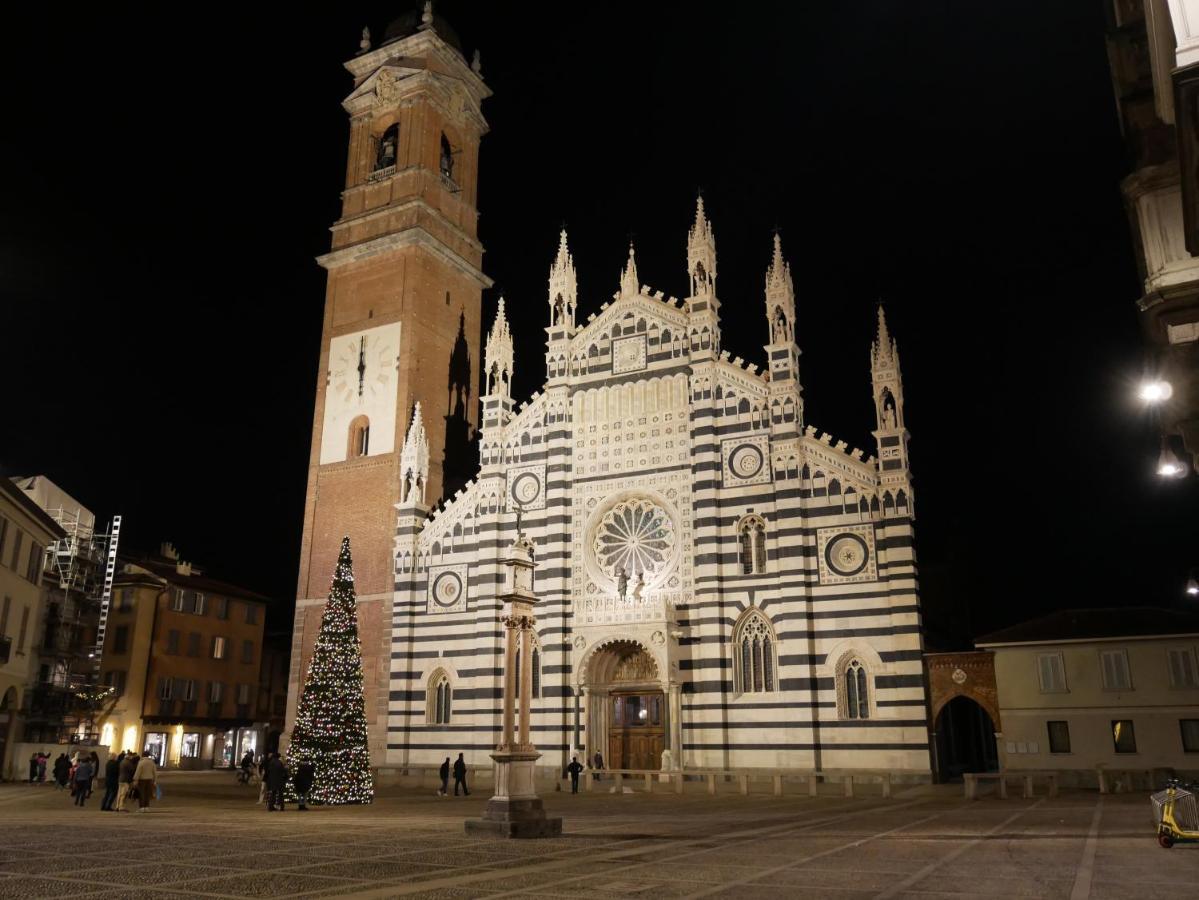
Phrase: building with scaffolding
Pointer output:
(63, 702)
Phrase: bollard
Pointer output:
(778, 785)
(886, 785)
(812, 785)
(678, 782)
(744, 779)
(620, 782)
(649, 782)
(587, 780)
(711, 783)
(847, 781)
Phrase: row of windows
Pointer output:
(439, 692)
(1115, 672)
(218, 646)
(12, 543)
(1124, 737)
(186, 689)
(196, 603)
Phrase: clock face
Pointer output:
(361, 382)
(362, 369)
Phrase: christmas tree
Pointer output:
(330, 728)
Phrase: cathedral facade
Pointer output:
(720, 584)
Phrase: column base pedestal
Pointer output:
(515, 811)
(515, 819)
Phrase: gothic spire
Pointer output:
(884, 348)
(629, 285)
(780, 297)
(701, 252)
(414, 460)
(499, 354)
(564, 289)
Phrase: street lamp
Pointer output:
(1168, 465)
(1156, 391)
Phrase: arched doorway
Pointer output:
(627, 714)
(965, 739)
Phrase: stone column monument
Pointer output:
(515, 810)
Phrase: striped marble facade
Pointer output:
(769, 582)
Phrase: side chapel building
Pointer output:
(720, 584)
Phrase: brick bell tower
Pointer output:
(401, 326)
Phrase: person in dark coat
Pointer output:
(33, 768)
(276, 781)
(94, 759)
(460, 775)
(599, 764)
(444, 773)
(305, 774)
(112, 777)
(42, 759)
(83, 778)
(62, 770)
(125, 781)
(574, 769)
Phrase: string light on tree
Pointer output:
(330, 729)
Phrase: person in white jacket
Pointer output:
(145, 776)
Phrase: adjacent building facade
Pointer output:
(721, 584)
(25, 532)
(1082, 690)
(184, 658)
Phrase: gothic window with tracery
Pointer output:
(754, 651)
(751, 541)
(440, 699)
(856, 704)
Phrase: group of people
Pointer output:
(459, 769)
(272, 775)
(575, 769)
(126, 777)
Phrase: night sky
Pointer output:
(167, 187)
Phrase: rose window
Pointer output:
(636, 536)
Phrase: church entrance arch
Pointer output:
(627, 710)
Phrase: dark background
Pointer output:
(168, 182)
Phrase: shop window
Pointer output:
(190, 747)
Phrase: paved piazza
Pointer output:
(209, 839)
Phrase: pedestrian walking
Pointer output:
(83, 777)
(574, 769)
(276, 781)
(305, 774)
(62, 771)
(261, 770)
(112, 776)
(444, 773)
(125, 783)
(145, 776)
(42, 759)
(247, 764)
(460, 775)
(94, 759)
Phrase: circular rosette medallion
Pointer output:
(447, 589)
(846, 554)
(526, 488)
(746, 461)
(636, 536)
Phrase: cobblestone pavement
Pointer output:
(208, 838)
